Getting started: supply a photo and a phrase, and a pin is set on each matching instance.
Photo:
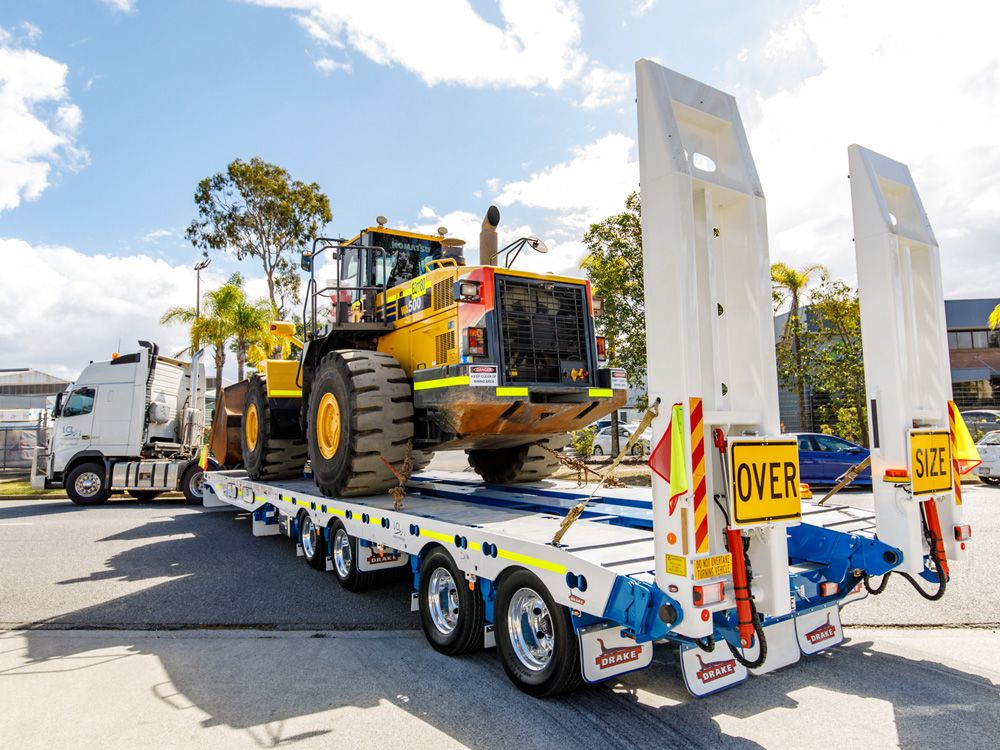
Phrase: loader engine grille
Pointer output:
(445, 343)
(442, 294)
(544, 331)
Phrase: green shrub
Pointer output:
(582, 441)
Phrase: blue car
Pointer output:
(823, 458)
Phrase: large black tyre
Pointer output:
(270, 437)
(992, 481)
(87, 484)
(344, 551)
(538, 648)
(522, 463)
(311, 541)
(452, 614)
(144, 496)
(420, 460)
(360, 411)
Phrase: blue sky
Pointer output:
(427, 112)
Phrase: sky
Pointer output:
(112, 110)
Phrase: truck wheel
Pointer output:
(311, 540)
(522, 463)
(144, 495)
(270, 440)
(538, 648)
(344, 551)
(360, 411)
(452, 614)
(86, 484)
(193, 483)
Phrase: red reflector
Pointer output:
(963, 532)
(828, 588)
(710, 593)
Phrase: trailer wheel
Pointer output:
(522, 463)
(538, 647)
(271, 439)
(344, 551)
(311, 539)
(451, 613)
(144, 495)
(86, 484)
(360, 411)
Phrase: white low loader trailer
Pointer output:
(132, 424)
(726, 560)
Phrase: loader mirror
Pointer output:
(537, 245)
(307, 261)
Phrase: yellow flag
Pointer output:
(963, 447)
(667, 458)
(203, 460)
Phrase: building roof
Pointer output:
(26, 376)
(968, 313)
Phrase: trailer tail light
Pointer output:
(828, 588)
(475, 342)
(602, 349)
(963, 532)
(709, 593)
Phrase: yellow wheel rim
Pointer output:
(328, 426)
(252, 427)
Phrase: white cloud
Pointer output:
(38, 121)
(589, 187)
(327, 65)
(120, 6)
(604, 86)
(89, 304)
(641, 7)
(159, 234)
(893, 77)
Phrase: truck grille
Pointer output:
(544, 331)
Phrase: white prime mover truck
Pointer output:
(133, 424)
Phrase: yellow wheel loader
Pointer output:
(408, 350)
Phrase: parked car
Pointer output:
(824, 458)
(981, 421)
(989, 450)
(602, 441)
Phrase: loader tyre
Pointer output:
(420, 460)
(272, 449)
(360, 411)
(522, 463)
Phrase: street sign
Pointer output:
(930, 462)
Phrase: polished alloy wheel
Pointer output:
(530, 627)
(442, 601)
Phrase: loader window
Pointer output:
(81, 401)
(404, 256)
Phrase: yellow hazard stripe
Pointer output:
(533, 561)
(437, 535)
(423, 385)
(297, 393)
(510, 391)
(601, 393)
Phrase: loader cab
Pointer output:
(404, 256)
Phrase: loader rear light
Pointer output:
(467, 291)
(475, 342)
(828, 588)
(963, 532)
(708, 593)
(602, 349)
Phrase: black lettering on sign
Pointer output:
(919, 468)
(772, 471)
(743, 482)
(758, 479)
(790, 479)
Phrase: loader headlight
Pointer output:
(467, 291)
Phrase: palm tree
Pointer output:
(251, 327)
(789, 285)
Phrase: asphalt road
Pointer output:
(271, 652)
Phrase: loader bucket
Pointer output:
(227, 424)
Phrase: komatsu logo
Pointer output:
(715, 670)
(612, 657)
(823, 632)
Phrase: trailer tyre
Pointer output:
(360, 412)
(311, 540)
(344, 551)
(452, 614)
(535, 638)
(522, 463)
(86, 484)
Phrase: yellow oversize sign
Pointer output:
(930, 462)
(764, 481)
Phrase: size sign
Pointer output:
(930, 462)
(764, 481)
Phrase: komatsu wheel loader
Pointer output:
(408, 351)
